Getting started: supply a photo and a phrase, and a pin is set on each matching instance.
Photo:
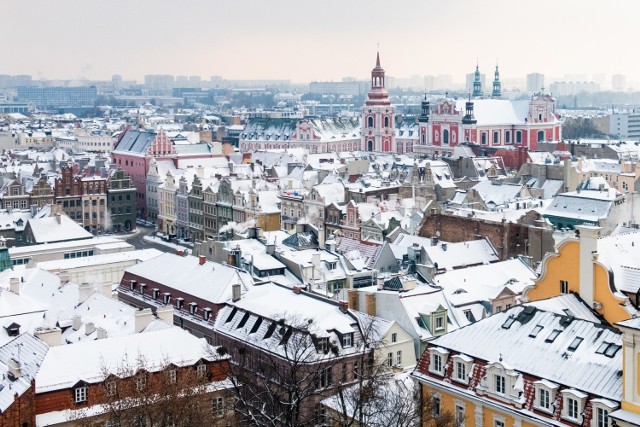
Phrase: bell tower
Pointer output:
(423, 122)
(378, 127)
(497, 86)
(477, 83)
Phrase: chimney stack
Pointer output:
(15, 369)
(235, 292)
(344, 306)
(165, 314)
(202, 259)
(89, 328)
(58, 218)
(14, 285)
(297, 289)
(76, 322)
(142, 319)
(101, 333)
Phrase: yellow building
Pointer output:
(602, 271)
(526, 367)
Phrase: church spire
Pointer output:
(378, 94)
(497, 86)
(477, 83)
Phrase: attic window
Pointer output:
(193, 307)
(575, 343)
(323, 344)
(155, 292)
(166, 298)
(553, 335)
(608, 349)
(179, 302)
(13, 330)
(536, 331)
(206, 313)
(256, 325)
(270, 330)
(143, 286)
(244, 319)
(233, 313)
(507, 324)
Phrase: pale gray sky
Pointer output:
(321, 40)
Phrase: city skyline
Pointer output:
(280, 40)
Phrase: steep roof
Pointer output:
(135, 141)
(29, 352)
(511, 337)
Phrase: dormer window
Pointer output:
(193, 308)
(438, 360)
(155, 292)
(347, 340)
(499, 383)
(132, 285)
(80, 394)
(462, 368)
(206, 313)
(323, 344)
(601, 410)
(166, 298)
(545, 395)
(143, 286)
(179, 303)
(573, 402)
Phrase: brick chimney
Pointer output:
(297, 289)
(202, 259)
(343, 305)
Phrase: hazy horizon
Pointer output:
(282, 39)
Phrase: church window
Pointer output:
(445, 137)
(496, 137)
(386, 122)
(370, 122)
(484, 137)
(540, 135)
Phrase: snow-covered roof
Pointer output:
(89, 361)
(511, 337)
(209, 281)
(29, 352)
(58, 228)
(449, 256)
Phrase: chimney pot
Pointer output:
(202, 259)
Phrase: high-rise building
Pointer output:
(535, 82)
(53, 97)
(618, 82)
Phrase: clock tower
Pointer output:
(378, 127)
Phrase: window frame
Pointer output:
(81, 394)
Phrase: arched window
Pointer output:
(540, 135)
(484, 137)
(423, 139)
(386, 122)
(370, 122)
(507, 137)
(519, 137)
(445, 137)
(496, 137)
(370, 145)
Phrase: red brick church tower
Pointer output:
(378, 133)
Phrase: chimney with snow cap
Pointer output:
(202, 259)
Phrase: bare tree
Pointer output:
(172, 396)
(282, 380)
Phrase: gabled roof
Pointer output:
(58, 228)
(29, 352)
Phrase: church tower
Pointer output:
(378, 133)
(423, 122)
(477, 84)
(497, 86)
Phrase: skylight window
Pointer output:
(553, 335)
(575, 343)
(611, 350)
(244, 319)
(536, 331)
(507, 324)
(602, 348)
